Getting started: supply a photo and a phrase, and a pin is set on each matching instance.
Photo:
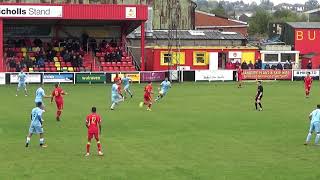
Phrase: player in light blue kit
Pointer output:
(116, 96)
(126, 83)
(22, 77)
(314, 125)
(164, 88)
(39, 95)
(36, 125)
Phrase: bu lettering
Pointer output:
(306, 35)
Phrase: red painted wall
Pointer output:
(92, 11)
(153, 57)
(307, 41)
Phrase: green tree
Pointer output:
(259, 22)
(288, 16)
(220, 11)
(311, 4)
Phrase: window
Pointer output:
(288, 56)
(200, 58)
(271, 58)
(174, 57)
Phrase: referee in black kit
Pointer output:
(259, 96)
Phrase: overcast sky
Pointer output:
(276, 1)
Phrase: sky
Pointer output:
(276, 1)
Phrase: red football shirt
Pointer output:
(57, 94)
(93, 120)
(240, 71)
(307, 81)
(148, 90)
(117, 79)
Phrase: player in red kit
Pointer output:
(93, 123)
(57, 94)
(239, 73)
(307, 84)
(117, 80)
(147, 96)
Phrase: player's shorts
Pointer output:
(126, 87)
(36, 101)
(315, 126)
(147, 98)
(21, 85)
(163, 92)
(240, 78)
(307, 88)
(259, 98)
(93, 134)
(116, 98)
(59, 105)
(35, 129)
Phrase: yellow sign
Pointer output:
(135, 77)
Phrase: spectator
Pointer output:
(237, 64)
(67, 56)
(250, 65)
(256, 65)
(286, 65)
(107, 57)
(228, 65)
(12, 63)
(267, 66)
(80, 61)
(74, 61)
(28, 62)
(259, 64)
(10, 53)
(279, 66)
(40, 60)
(290, 64)
(50, 56)
(37, 42)
(84, 38)
(244, 65)
(309, 66)
(274, 67)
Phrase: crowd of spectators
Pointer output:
(258, 65)
(110, 51)
(36, 53)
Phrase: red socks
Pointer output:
(88, 148)
(99, 146)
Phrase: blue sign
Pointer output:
(58, 78)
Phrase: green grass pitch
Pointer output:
(198, 131)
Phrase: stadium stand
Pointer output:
(66, 55)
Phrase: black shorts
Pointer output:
(257, 98)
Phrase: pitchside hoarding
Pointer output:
(258, 74)
(90, 78)
(219, 75)
(58, 78)
(135, 77)
(31, 78)
(152, 76)
(30, 11)
(2, 78)
(300, 74)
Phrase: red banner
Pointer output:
(267, 74)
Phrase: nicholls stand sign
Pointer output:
(30, 11)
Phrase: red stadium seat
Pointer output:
(98, 54)
(127, 68)
(53, 69)
(119, 64)
(103, 64)
(114, 64)
(125, 63)
(116, 68)
(132, 68)
(68, 64)
(47, 69)
(112, 69)
(130, 63)
(41, 69)
(108, 63)
(36, 69)
(122, 69)
(62, 63)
